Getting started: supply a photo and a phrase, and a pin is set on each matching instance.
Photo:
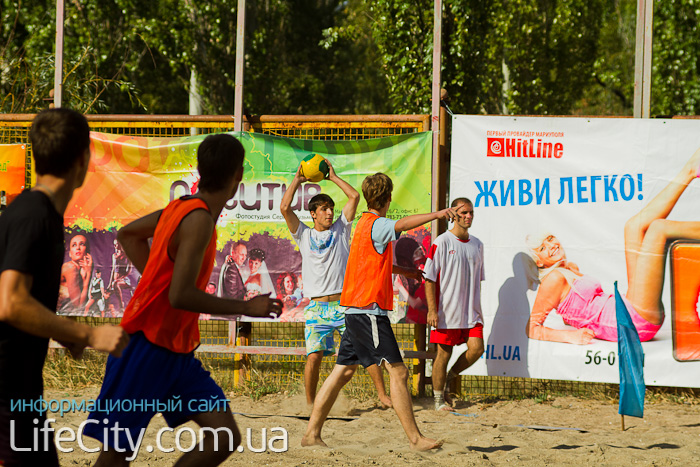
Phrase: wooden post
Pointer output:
(622, 419)
(419, 343)
(240, 51)
(241, 362)
(58, 61)
(642, 58)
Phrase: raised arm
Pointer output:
(133, 238)
(416, 220)
(350, 207)
(548, 298)
(286, 205)
(19, 309)
(189, 245)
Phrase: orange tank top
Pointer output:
(149, 310)
(368, 274)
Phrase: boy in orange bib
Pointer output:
(368, 296)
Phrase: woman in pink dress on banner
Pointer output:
(579, 298)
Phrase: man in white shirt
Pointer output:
(324, 251)
(453, 271)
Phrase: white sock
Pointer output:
(439, 397)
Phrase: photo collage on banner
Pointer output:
(130, 177)
(566, 207)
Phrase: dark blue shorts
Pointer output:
(368, 340)
(151, 374)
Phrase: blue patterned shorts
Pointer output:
(322, 319)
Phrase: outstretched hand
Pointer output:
(263, 306)
(449, 214)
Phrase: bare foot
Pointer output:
(386, 401)
(445, 408)
(426, 444)
(309, 440)
(692, 167)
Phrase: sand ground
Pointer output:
(498, 433)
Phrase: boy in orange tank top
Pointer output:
(368, 296)
(159, 365)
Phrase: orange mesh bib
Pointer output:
(368, 274)
(149, 310)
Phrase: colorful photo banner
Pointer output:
(566, 207)
(130, 177)
(12, 157)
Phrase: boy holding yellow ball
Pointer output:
(324, 251)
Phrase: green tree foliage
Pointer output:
(526, 56)
(349, 56)
(676, 58)
(153, 47)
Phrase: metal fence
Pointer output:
(285, 367)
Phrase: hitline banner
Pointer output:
(132, 176)
(566, 207)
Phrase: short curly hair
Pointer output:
(377, 190)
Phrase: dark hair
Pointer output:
(403, 251)
(256, 253)
(59, 139)
(457, 201)
(280, 282)
(377, 190)
(219, 157)
(82, 234)
(320, 200)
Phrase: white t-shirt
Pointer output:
(324, 256)
(457, 266)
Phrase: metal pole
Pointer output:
(435, 114)
(642, 58)
(646, 81)
(240, 50)
(58, 70)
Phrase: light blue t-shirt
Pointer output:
(383, 233)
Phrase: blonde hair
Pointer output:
(377, 190)
(534, 241)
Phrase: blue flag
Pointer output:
(631, 361)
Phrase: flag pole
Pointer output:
(622, 419)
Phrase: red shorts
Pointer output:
(455, 336)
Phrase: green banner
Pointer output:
(132, 176)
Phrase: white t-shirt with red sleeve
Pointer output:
(457, 268)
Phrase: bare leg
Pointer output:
(311, 370)
(444, 352)
(88, 305)
(404, 408)
(475, 349)
(646, 235)
(325, 399)
(375, 372)
(119, 285)
(217, 445)
(645, 291)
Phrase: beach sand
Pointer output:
(582, 432)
